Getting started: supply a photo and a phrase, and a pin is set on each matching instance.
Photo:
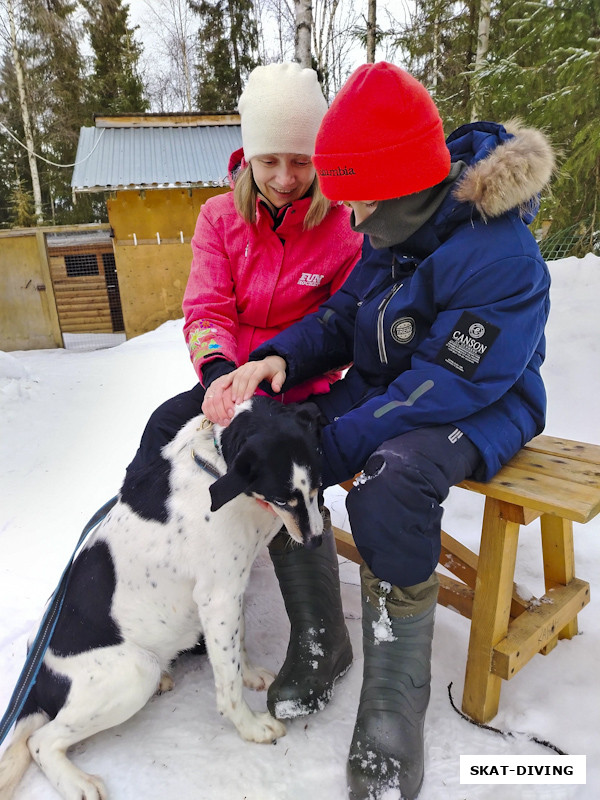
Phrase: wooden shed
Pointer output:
(157, 171)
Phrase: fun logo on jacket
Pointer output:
(310, 279)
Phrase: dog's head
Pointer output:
(272, 454)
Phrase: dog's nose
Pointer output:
(313, 542)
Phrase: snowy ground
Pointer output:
(70, 422)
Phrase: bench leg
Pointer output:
(559, 563)
(491, 610)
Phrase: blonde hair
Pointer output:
(245, 193)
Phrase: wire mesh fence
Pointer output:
(576, 240)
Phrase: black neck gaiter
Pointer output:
(393, 221)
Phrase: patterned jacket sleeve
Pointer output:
(209, 303)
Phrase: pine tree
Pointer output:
(21, 205)
(437, 45)
(227, 51)
(115, 85)
(545, 67)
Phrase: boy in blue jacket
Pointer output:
(443, 322)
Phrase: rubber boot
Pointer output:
(387, 750)
(319, 651)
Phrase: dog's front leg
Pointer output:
(257, 678)
(222, 623)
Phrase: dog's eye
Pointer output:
(279, 502)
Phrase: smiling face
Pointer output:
(282, 177)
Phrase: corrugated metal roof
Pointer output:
(145, 157)
(77, 238)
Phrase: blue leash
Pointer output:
(36, 653)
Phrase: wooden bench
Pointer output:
(558, 481)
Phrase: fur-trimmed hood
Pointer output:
(496, 169)
(507, 167)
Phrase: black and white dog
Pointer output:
(168, 563)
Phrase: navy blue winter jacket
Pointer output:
(447, 327)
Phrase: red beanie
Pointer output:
(381, 138)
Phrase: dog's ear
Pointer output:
(309, 414)
(236, 480)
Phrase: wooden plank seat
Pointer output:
(557, 481)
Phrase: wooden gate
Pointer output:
(28, 317)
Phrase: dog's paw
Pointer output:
(165, 684)
(257, 678)
(262, 728)
(85, 787)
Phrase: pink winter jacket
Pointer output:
(248, 282)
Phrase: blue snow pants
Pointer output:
(395, 509)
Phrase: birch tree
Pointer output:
(333, 37)
(371, 30)
(483, 40)
(175, 28)
(276, 24)
(334, 26)
(42, 100)
(24, 109)
(303, 32)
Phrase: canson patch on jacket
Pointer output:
(467, 345)
(201, 342)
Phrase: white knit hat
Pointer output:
(281, 109)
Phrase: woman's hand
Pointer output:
(218, 405)
(239, 385)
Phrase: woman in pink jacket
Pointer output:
(264, 256)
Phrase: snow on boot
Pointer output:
(387, 750)
(319, 651)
